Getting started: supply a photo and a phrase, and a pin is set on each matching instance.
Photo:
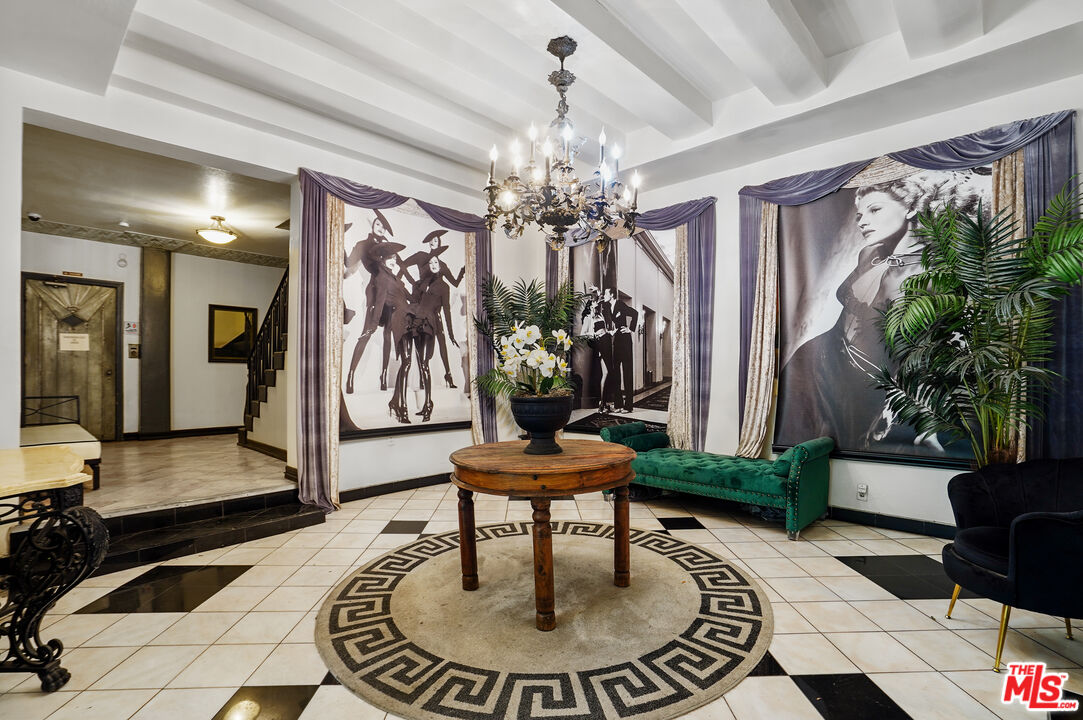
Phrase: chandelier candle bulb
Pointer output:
(492, 163)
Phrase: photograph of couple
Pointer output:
(624, 370)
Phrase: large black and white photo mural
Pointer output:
(842, 259)
(404, 353)
(625, 370)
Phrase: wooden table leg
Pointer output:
(543, 565)
(468, 548)
(621, 571)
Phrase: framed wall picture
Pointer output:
(405, 366)
(231, 333)
(625, 370)
(842, 259)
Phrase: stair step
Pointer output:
(253, 408)
(270, 378)
(282, 341)
(173, 541)
(278, 360)
(248, 424)
(261, 393)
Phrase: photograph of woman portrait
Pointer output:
(404, 358)
(843, 259)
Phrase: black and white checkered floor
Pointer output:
(859, 621)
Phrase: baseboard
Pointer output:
(190, 432)
(890, 522)
(397, 486)
(290, 473)
(271, 450)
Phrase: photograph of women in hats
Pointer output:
(852, 250)
(402, 277)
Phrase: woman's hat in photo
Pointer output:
(422, 257)
(434, 235)
(387, 249)
(383, 221)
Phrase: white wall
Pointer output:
(53, 254)
(206, 394)
(900, 490)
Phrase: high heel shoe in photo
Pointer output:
(449, 380)
(349, 384)
(383, 379)
(426, 412)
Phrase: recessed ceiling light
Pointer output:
(217, 233)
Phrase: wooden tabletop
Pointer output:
(45, 467)
(504, 469)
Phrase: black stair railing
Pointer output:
(268, 354)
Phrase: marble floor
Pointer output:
(859, 621)
(144, 474)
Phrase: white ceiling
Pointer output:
(85, 183)
(688, 86)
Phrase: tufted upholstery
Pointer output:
(796, 481)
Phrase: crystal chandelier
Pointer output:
(546, 190)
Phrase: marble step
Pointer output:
(169, 541)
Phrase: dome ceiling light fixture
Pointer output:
(217, 233)
(546, 191)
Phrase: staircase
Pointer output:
(268, 356)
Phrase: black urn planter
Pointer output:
(542, 417)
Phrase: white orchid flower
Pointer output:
(562, 366)
(560, 335)
(532, 333)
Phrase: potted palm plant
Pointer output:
(969, 335)
(531, 335)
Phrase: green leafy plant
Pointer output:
(530, 334)
(970, 333)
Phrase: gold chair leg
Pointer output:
(1068, 628)
(1004, 615)
(954, 597)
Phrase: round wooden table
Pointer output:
(503, 469)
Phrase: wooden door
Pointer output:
(71, 343)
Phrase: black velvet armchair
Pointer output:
(1020, 538)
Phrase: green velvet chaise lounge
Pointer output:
(797, 481)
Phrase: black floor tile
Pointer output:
(681, 523)
(907, 577)
(848, 697)
(405, 527)
(168, 588)
(767, 666)
(280, 702)
(329, 679)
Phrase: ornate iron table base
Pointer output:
(63, 545)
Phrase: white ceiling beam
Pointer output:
(599, 69)
(211, 41)
(72, 42)
(154, 77)
(768, 42)
(932, 26)
(608, 28)
(410, 50)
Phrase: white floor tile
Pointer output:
(930, 696)
(261, 627)
(149, 667)
(104, 705)
(829, 617)
(223, 666)
(769, 698)
(134, 629)
(186, 704)
(945, 650)
(877, 652)
(809, 654)
(296, 664)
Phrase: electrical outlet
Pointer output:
(863, 492)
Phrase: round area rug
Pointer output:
(402, 633)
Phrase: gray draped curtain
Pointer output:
(1049, 156)
(312, 466)
(699, 216)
